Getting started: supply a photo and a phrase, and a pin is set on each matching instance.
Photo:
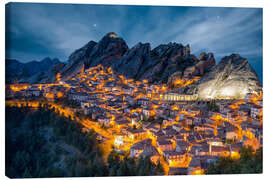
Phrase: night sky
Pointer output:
(36, 31)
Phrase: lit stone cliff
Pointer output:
(233, 78)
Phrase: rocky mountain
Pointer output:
(16, 70)
(139, 62)
(233, 77)
(167, 63)
(46, 76)
(108, 51)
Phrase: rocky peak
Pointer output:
(82, 52)
(206, 57)
(187, 50)
(233, 77)
(134, 60)
(169, 50)
(161, 63)
(108, 49)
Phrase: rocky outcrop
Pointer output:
(134, 61)
(233, 77)
(205, 64)
(139, 62)
(107, 51)
(166, 60)
(77, 59)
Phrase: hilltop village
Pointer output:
(181, 131)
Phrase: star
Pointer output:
(94, 25)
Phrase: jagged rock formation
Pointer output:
(233, 77)
(168, 59)
(108, 51)
(206, 63)
(139, 62)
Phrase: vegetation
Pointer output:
(131, 166)
(212, 106)
(148, 119)
(248, 163)
(42, 143)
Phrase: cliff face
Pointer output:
(168, 59)
(233, 77)
(108, 51)
(139, 62)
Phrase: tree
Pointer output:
(212, 106)
(113, 158)
(247, 163)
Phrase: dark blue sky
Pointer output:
(35, 31)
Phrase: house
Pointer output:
(255, 111)
(174, 156)
(94, 111)
(168, 129)
(152, 152)
(260, 103)
(135, 133)
(164, 145)
(191, 138)
(231, 134)
(215, 142)
(178, 171)
(147, 112)
(197, 119)
(122, 123)
(248, 96)
(219, 150)
(194, 111)
(139, 147)
(188, 121)
(183, 132)
(177, 127)
(170, 132)
(203, 127)
(198, 136)
(179, 138)
(155, 127)
(143, 101)
(256, 122)
(194, 164)
(224, 108)
(159, 111)
(33, 91)
(78, 96)
(104, 120)
(243, 111)
(199, 150)
(158, 135)
(181, 146)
